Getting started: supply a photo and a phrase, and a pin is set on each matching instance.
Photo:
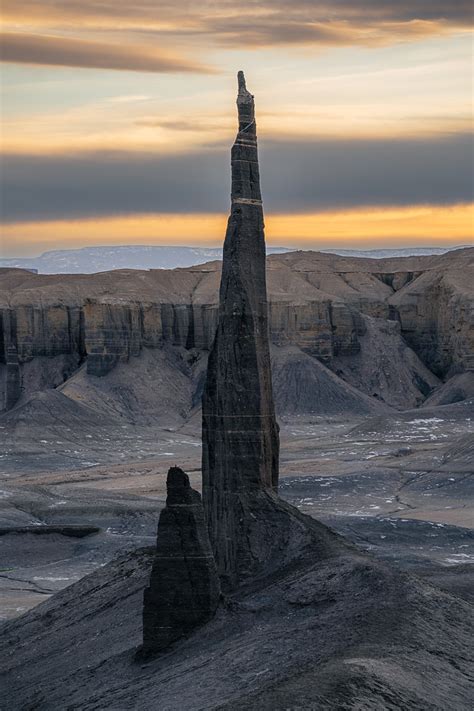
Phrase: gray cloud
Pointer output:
(69, 52)
(335, 23)
(297, 176)
(459, 11)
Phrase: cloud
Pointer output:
(297, 176)
(50, 50)
(278, 30)
(194, 124)
(166, 11)
(252, 23)
(330, 174)
(459, 11)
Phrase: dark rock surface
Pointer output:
(339, 631)
(240, 433)
(69, 530)
(183, 592)
(12, 375)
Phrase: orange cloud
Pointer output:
(418, 224)
(360, 228)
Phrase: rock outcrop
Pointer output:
(317, 302)
(253, 533)
(12, 375)
(385, 367)
(240, 433)
(458, 388)
(303, 385)
(184, 590)
(437, 319)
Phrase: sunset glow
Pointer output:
(365, 229)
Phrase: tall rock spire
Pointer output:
(240, 433)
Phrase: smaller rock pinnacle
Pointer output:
(184, 587)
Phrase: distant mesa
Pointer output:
(90, 260)
(395, 330)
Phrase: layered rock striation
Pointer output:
(12, 375)
(183, 592)
(238, 408)
(317, 302)
(240, 432)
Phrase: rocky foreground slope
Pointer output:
(339, 632)
(369, 332)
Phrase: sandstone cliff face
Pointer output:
(51, 324)
(437, 316)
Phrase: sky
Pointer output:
(118, 118)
